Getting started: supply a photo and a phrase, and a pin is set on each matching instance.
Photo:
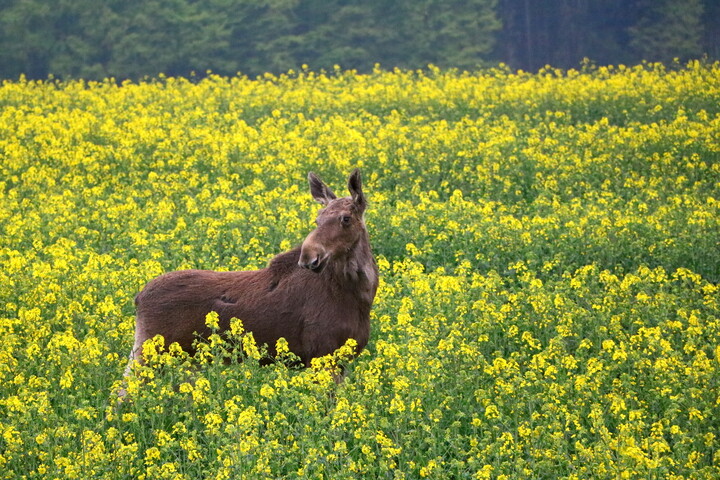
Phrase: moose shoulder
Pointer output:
(316, 296)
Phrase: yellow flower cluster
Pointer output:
(549, 256)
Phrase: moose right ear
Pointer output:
(355, 188)
(320, 191)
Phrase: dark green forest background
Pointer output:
(94, 39)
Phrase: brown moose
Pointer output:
(316, 296)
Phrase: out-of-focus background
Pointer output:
(132, 39)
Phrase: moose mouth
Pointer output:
(317, 265)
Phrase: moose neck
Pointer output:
(356, 270)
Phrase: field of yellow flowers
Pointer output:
(548, 243)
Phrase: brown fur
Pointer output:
(315, 296)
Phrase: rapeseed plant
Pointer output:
(549, 260)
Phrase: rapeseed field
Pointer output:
(548, 247)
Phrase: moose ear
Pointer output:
(355, 187)
(319, 190)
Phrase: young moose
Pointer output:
(316, 296)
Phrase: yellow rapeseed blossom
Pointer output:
(548, 255)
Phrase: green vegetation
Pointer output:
(548, 250)
(134, 39)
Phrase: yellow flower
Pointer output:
(212, 320)
(491, 412)
(152, 454)
(428, 469)
(267, 391)
(66, 381)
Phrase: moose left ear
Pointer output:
(320, 191)
(355, 187)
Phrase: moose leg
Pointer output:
(135, 357)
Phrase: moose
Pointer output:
(316, 296)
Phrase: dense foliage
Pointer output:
(608, 32)
(131, 39)
(548, 246)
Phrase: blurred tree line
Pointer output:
(94, 39)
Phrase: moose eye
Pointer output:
(345, 219)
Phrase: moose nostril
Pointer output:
(310, 264)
